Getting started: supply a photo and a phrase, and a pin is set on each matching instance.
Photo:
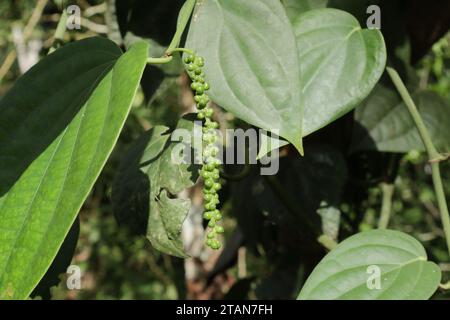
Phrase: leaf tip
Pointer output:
(299, 146)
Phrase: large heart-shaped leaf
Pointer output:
(377, 264)
(149, 173)
(251, 62)
(383, 122)
(65, 143)
(340, 64)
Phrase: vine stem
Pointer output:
(434, 156)
(386, 207)
(60, 30)
(327, 242)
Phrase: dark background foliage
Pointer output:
(271, 223)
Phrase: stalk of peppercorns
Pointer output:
(210, 169)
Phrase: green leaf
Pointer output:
(131, 188)
(73, 140)
(147, 176)
(296, 7)
(251, 63)
(46, 99)
(59, 264)
(174, 68)
(165, 223)
(183, 18)
(340, 63)
(347, 272)
(384, 123)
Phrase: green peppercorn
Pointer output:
(200, 89)
(219, 229)
(206, 137)
(199, 61)
(192, 67)
(215, 176)
(215, 245)
(214, 125)
(206, 174)
(209, 191)
(209, 112)
(207, 215)
(206, 153)
(209, 182)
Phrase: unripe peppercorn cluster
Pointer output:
(210, 169)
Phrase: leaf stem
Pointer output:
(386, 206)
(168, 56)
(445, 286)
(434, 156)
(183, 50)
(161, 60)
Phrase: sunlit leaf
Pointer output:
(251, 63)
(60, 143)
(374, 265)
